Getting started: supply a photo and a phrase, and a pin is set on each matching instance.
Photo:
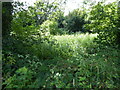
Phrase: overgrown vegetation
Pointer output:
(105, 21)
(42, 48)
(75, 20)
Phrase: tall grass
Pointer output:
(81, 63)
(88, 65)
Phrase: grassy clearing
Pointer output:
(75, 44)
(76, 38)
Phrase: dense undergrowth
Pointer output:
(73, 61)
(41, 48)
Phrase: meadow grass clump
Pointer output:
(75, 43)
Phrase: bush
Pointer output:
(22, 78)
(75, 20)
(51, 27)
(104, 21)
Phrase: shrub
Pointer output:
(22, 78)
(51, 27)
(75, 21)
(104, 21)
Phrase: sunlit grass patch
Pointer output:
(72, 45)
(82, 39)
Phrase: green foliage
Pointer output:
(50, 26)
(75, 20)
(40, 56)
(73, 61)
(104, 21)
(21, 40)
(60, 19)
(21, 79)
(71, 45)
(45, 10)
(85, 66)
(62, 31)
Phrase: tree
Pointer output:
(105, 22)
(75, 21)
(44, 10)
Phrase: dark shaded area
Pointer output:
(75, 21)
(7, 10)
